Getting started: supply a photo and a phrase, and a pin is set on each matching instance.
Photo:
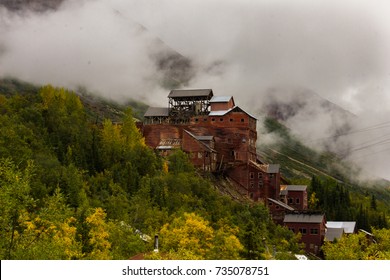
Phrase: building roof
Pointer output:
(333, 233)
(157, 112)
(349, 227)
(284, 205)
(219, 113)
(297, 188)
(221, 99)
(224, 112)
(304, 218)
(178, 93)
(273, 168)
(202, 138)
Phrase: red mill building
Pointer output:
(220, 137)
(217, 135)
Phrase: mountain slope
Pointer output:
(299, 161)
(33, 5)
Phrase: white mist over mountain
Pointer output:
(254, 50)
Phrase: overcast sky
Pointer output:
(337, 49)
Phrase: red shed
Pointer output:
(311, 226)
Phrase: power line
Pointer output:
(369, 128)
(370, 154)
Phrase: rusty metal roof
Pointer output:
(297, 188)
(179, 93)
(157, 112)
(304, 218)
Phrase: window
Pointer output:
(213, 119)
(251, 175)
(260, 175)
(292, 229)
(290, 200)
(271, 176)
(196, 120)
(205, 119)
(231, 120)
(270, 203)
(251, 195)
(314, 231)
(302, 230)
(221, 119)
(277, 207)
(251, 184)
(297, 201)
(260, 184)
(242, 120)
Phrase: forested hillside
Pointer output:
(75, 188)
(333, 187)
(78, 182)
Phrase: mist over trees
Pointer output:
(74, 188)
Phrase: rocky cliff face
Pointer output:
(33, 5)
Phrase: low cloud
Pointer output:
(258, 51)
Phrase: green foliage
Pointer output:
(179, 163)
(75, 188)
(344, 203)
(98, 236)
(124, 241)
(191, 237)
(14, 201)
(360, 247)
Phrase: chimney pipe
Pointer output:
(156, 243)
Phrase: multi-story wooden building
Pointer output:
(218, 135)
(311, 226)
